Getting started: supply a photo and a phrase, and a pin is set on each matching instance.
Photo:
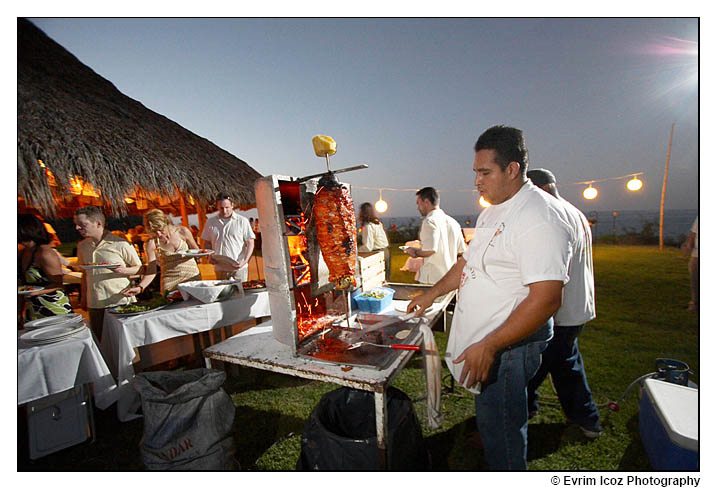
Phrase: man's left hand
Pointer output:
(477, 359)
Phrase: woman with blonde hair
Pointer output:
(165, 243)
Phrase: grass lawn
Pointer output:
(641, 295)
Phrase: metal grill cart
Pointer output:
(310, 315)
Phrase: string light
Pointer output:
(634, 184)
(381, 205)
(590, 192)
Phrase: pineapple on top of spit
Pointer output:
(324, 146)
(333, 214)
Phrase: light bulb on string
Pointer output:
(634, 184)
(590, 192)
(381, 205)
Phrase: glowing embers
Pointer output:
(311, 313)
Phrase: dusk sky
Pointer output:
(409, 97)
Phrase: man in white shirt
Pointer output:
(562, 358)
(231, 237)
(510, 282)
(440, 236)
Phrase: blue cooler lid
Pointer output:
(677, 407)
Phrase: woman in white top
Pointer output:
(373, 236)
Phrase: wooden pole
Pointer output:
(201, 217)
(183, 210)
(663, 191)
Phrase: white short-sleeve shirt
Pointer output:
(518, 242)
(104, 285)
(579, 304)
(227, 236)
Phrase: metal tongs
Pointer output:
(388, 346)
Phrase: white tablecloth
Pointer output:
(44, 370)
(121, 334)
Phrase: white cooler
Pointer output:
(59, 421)
(668, 423)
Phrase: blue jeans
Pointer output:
(501, 410)
(563, 360)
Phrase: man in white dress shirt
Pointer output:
(440, 236)
(230, 235)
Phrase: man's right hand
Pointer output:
(420, 304)
(131, 291)
(478, 359)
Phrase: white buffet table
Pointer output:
(122, 334)
(44, 370)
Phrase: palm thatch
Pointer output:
(79, 125)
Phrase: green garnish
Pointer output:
(155, 302)
(374, 294)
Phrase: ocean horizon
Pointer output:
(676, 222)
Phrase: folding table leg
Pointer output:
(382, 432)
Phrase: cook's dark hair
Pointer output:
(92, 212)
(429, 194)
(222, 196)
(367, 214)
(508, 145)
(31, 228)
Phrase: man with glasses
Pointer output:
(231, 237)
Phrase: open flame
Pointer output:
(300, 265)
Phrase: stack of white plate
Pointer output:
(52, 333)
(53, 320)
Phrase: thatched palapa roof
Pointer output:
(79, 125)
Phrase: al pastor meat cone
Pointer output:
(333, 215)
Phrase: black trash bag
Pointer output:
(341, 434)
(188, 420)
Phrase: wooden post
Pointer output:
(201, 217)
(183, 210)
(663, 191)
